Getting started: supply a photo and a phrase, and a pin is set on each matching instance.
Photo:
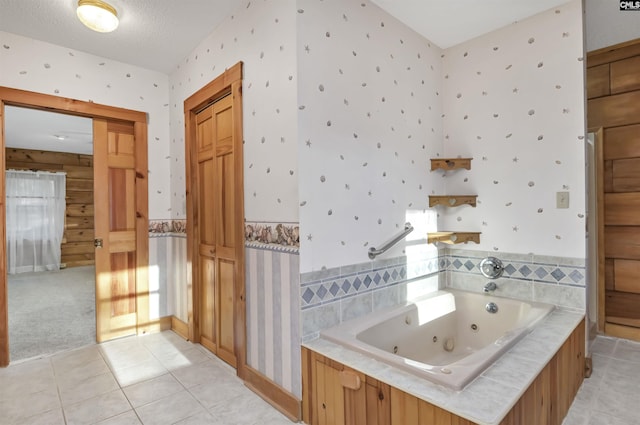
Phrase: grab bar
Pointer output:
(373, 252)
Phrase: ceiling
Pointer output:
(49, 131)
(159, 34)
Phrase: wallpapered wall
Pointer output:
(513, 100)
(262, 35)
(33, 65)
(369, 119)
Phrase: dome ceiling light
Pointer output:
(97, 15)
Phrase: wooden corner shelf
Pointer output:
(450, 163)
(452, 200)
(453, 237)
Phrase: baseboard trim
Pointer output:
(272, 393)
(179, 327)
(621, 331)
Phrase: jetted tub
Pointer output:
(448, 337)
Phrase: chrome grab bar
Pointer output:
(373, 252)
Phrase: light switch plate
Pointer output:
(562, 200)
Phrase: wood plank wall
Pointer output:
(77, 244)
(613, 92)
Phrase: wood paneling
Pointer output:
(618, 113)
(621, 209)
(625, 76)
(626, 175)
(622, 142)
(598, 81)
(79, 197)
(627, 276)
(613, 111)
(546, 401)
(622, 242)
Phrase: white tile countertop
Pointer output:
(490, 397)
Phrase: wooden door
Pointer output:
(121, 291)
(217, 242)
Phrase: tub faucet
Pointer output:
(489, 287)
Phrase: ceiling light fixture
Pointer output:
(97, 15)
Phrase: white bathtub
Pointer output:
(447, 337)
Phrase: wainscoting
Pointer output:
(273, 314)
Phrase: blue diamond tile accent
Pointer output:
(576, 276)
(457, 263)
(367, 281)
(394, 274)
(510, 269)
(386, 276)
(540, 272)
(307, 296)
(334, 289)
(558, 274)
(357, 283)
(321, 292)
(525, 271)
(403, 272)
(377, 278)
(469, 265)
(346, 285)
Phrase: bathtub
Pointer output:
(448, 337)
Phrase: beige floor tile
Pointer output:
(74, 392)
(202, 418)
(170, 409)
(200, 373)
(152, 390)
(139, 373)
(213, 393)
(126, 418)
(179, 359)
(97, 408)
(70, 360)
(20, 407)
(50, 417)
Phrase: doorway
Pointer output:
(121, 214)
(50, 254)
(215, 218)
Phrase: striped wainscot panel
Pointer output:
(167, 275)
(273, 314)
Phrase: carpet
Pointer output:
(51, 312)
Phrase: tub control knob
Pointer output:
(492, 307)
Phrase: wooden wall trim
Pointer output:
(4, 298)
(613, 53)
(285, 402)
(142, 226)
(34, 100)
(180, 327)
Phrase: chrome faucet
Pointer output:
(489, 287)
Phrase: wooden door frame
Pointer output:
(16, 97)
(598, 146)
(228, 83)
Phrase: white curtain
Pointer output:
(35, 220)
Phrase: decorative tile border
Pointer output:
(538, 269)
(333, 285)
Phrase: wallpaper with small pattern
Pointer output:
(369, 117)
(33, 65)
(513, 100)
(261, 34)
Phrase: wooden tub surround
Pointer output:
(533, 384)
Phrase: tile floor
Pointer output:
(612, 395)
(156, 379)
(162, 379)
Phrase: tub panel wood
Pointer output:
(546, 401)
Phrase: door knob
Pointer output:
(97, 243)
